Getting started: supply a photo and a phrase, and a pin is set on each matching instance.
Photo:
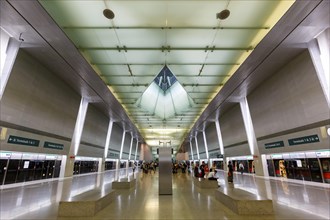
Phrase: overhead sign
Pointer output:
(274, 144)
(304, 140)
(53, 145)
(214, 155)
(23, 141)
(113, 155)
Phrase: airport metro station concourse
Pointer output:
(174, 109)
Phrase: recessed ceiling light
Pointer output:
(222, 15)
(108, 13)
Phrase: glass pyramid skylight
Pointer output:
(165, 78)
(165, 97)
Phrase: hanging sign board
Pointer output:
(274, 144)
(304, 140)
(53, 145)
(23, 141)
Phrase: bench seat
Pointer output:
(243, 202)
(125, 183)
(205, 183)
(86, 204)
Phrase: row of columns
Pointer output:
(252, 140)
(75, 142)
(319, 51)
(11, 52)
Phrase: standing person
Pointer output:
(202, 171)
(230, 172)
(241, 167)
(154, 166)
(133, 167)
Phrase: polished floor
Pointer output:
(291, 199)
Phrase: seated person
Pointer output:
(206, 171)
(212, 175)
(196, 173)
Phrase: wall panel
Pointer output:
(35, 98)
(127, 142)
(291, 98)
(232, 126)
(116, 136)
(212, 137)
(95, 127)
(201, 145)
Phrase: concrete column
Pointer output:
(217, 125)
(192, 153)
(252, 140)
(122, 145)
(136, 149)
(117, 169)
(220, 141)
(197, 147)
(165, 171)
(75, 142)
(107, 144)
(205, 144)
(130, 148)
(11, 52)
(319, 49)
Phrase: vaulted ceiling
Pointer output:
(201, 49)
(119, 64)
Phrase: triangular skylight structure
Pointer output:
(165, 78)
(165, 97)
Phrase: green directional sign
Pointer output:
(304, 140)
(113, 155)
(23, 141)
(53, 145)
(274, 144)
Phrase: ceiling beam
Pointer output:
(201, 92)
(168, 64)
(105, 75)
(183, 84)
(169, 48)
(205, 84)
(119, 92)
(121, 76)
(165, 28)
(133, 85)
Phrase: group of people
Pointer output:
(183, 166)
(149, 167)
(231, 170)
(203, 171)
(200, 171)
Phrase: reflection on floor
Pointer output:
(291, 200)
